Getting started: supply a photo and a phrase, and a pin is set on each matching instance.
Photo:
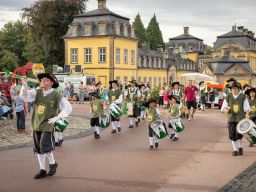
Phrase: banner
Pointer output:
(38, 68)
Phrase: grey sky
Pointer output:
(206, 18)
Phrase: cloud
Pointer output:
(206, 19)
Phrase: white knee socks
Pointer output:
(97, 129)
(151, 140)
(113, 125)
(51, 158)
(234, 145)
(41, 160)
(118, 124)
(155, 139)
(239, 143)
(131, 120)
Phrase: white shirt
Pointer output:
(31, 95)
(246, 105)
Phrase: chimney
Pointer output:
(245, 31)
(102, 4)
(160, 48)
(240, 29)
(186, 30)
(234, 28)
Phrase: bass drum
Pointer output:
(114, 110)
(104, 120)
(159, 129)
(177, 124)
(247, 128)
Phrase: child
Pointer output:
(212, 97)
(251, 93)
(97, 109)
(152, 114)
(20, 112)
(236, 105)
(174, 114)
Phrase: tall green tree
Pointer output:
(14, 37)
(48, 21)
(140, 30)
(154, 34)
(8, 61)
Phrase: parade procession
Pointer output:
(94, 99)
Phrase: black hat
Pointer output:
(247, 92)
(231, 79)
(52, 77)
(175, 83)
(141, 85)
(134, 81)
(237, 85)
(114, 81)
(201, 83)
(99, 83)
(175, 97)
(94, 94)
(150, 100)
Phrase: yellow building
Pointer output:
(103, 44)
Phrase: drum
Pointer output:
(130, 109)
(61, 124)
(177, 124)
(159, 129)
(114, 110)
(104, 120)
(248, 128)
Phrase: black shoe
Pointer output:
(42, 173)
(119, 129)
(52, 169)
(131, 126)
(143, 118)
(150, 147)
(97, 136)
(156, 145)
(241, 151)
(234, 153)
(172, 136)
(60, 142)
(57, 144)
(137, 123)
(175, 139)
(138, 120)
(251, 144)
(113, 131)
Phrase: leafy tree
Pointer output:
(154, 34)
(14, 39)
(8, 61)
(48, 21)
(140, 30)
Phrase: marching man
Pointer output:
(48, 103)
(237, 107)
(132, 95)
(115, 96)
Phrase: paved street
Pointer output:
(200, 161)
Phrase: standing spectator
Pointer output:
(20, 112)
(31, 97)
(71, 92)
(166, 99)
(212, 97)
(203, 91)
(66, 91)
(190, 98)
(81, 92)
(161, 97)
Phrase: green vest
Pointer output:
(236, 111)
(252, 112)
(44, 109)
(177, 93)
(97, 108)
(132, 95)
(144, 94)
(174, 110)
(152, 115)
(114, 94)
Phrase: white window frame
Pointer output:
(88, 55)
(132, 57)
(74, 55)
(118, 51)
(125, 56)
(102, 52)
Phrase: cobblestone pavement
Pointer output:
(10, 138)
(245, 182)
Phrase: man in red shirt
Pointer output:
(190, 98)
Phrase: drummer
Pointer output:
(203, 91)
(132, 94)
(97, 109)
(152, 114)
(174, 113)
(227, 90)
(236, 105)
(176, 91)
(251, 93)
(145, 94)
(115, 96)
